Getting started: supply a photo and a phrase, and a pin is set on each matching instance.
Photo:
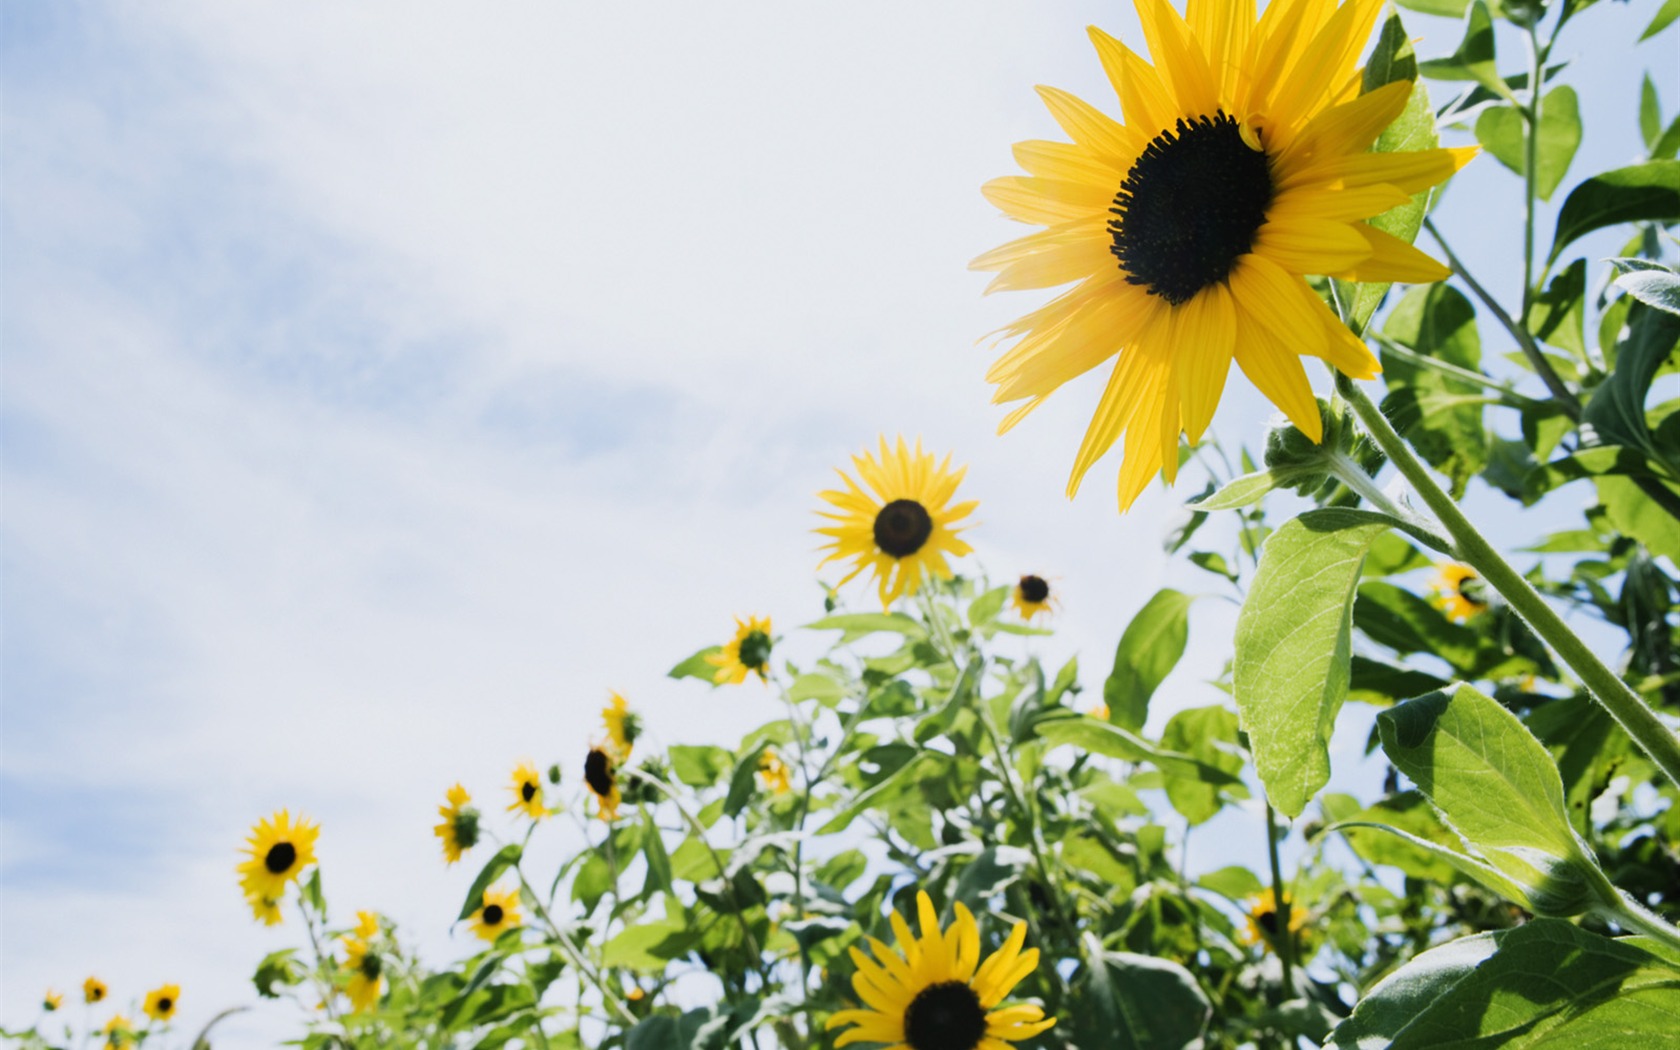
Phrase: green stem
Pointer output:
(1631, 915)
(1531, 167)
(1282, 907)
(579, 962)
(1655, 739)
(330, 994)
(1507, 395)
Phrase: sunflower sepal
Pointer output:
(1298, 462)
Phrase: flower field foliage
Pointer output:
(939, 843)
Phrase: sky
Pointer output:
(383, 384)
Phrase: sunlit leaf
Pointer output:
(1149, 649)
(1648, 191)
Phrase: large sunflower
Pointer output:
(364, 965)
(601, 779)
(499, 912)
(1241, 166)
(902, 527)
(747, 653)
(161, 1002)
(279, 850)
(527, 792)
(459, 828)
(934, 993)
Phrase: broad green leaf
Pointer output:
(1088, 734)
(1651, 283)
(1149, 649)
(1233, 882)
(1668, 143)
(1650, 113)
(1648, 191)
(1249, 489)
(856, 625)
(1501, 130)
(505, 858)
(820, 687)
(743, 782)
(1136, 1002)
(993, 870)
(696, 666)
(1559, 315)
(1616, 412)
(1495, 785)
(1440, 8)
(984, 609)
(1664, 17)
(658, 861)
(885, 789)
(1404, 810)
(1375, 682)
(1634, 513)
(1414, 129)
(650, 947)
(277, 968)
(1209, 735)
(1293, 647)
(964, 694)
(1441, 416)
(699, 765)
(1546, 983)
(1474, 59)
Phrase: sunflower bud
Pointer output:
(554, 774)
(466, 828)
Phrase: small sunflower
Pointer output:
(499, 912)
(161, 1002)
(527, 792)
(1031, 596)
(265, 910)
(1459, 592)
(459, 829)
(52, 1000)
(364, 965)
(623, 726)
(748, 652)
(1099, 711)
(1241, 167)
(934, 993)
(1263, 925)
(774, 774)
(119, 1032)
(279, 851)
(599, 777)
(94, 990)
(904, 526)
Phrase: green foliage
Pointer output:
(1149, 649)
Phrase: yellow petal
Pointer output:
(1392, 259)
(1089, 126)
(1205, 337)
(1223, 27)
(1337, 205)
(1310, 245)
(1178, 58)
(1326, 61)
(1043, 202)
(1278, 374)
(1347, 128)
(1145, 102)
(1066, 162)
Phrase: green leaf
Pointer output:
(1648, 191)
(1497, 786)
(650, 947)
(1136, 1002)
(991, 872)
(824, 689)
(1501, 130)
(1440, 8)
(1088, 734)
(698, 765)
(277, 969)
(1414, 129)
(1233, 882)
(1209, 735)
(1665, 17)
(1149, 649)
(1293, 647)
(1404, 810)
(965, 694)
(984, 609)
(1474, 59)
(1559, 314)
(1668, 143)
(1636, 514)
(743, 782)
(1651, 283)
(658, 861)
(1543, 984)
(857, 625)
(1250, 489)
(696, 666)
(1375, 682)
(885, 789)
(505, 858)
(1650, 112)
(1441, 416)
(1616, 412)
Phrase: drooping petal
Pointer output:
(1392, 259)
(1206, 338)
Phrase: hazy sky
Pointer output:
(384, 384)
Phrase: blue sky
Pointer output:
(383, 385)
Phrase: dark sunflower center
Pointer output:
(281, 856)
(755, 650)
(1189, 207)
(528, 791)
(597, 773)
(492, 915)
(370, 965)
(1034, 589)
(1267, 921)
(902, 527)
(95, 994)
(945, 1016)
(165, 1005)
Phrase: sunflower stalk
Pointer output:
(1648, 732)
(609, 995)
(1285, 943)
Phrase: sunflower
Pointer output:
(279, 850)
(1263, 926)
(599, 777)
(527, 792)
(1031, 596)
(94, 990)
(364, 965)
(622, 724)
(934, 993)
(52, 1000)
(748, 651)
(499, 912)
(265, 910)
(119, 1032)
(1459, 592)
(773, 773)
(1099, 711)
(1241, 166)
(459, 830)
(161, 1002)
(905, 529)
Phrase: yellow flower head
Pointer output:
(904, 526)
(1031, 596)
(527, 792)
(278, 851)
(265, 910)
(459, 829)
(748, 652)
(1264, 927)
(94, 990)
(1099, 711)
(1240, 165)
(52, 1000)
(119, 1032)
(363, 964)
(623, 726)
(499, 912)
(161, 1002)
(773, 773)
(602, 780)
(934, 993)
(1459, 592)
